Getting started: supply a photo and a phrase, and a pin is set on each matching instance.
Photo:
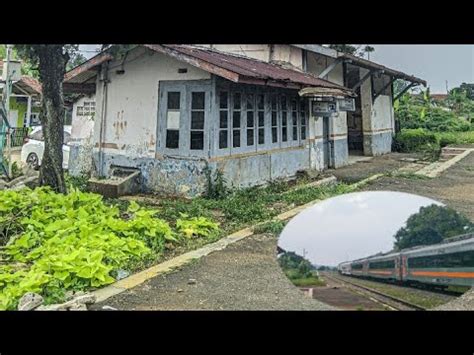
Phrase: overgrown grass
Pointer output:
(308, 281)
(407, 175)
(273, 227)
(446, 138)
(244, 207)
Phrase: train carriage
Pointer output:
(384, 267)
(447, 263)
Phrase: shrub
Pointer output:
(197, 226)
(59, 242)
(417, 140)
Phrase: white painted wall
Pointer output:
(132, 101)
(382, 113)
(257, 51)
(284, 54)
(82, 126)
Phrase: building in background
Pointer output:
(253, 112)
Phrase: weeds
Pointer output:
(274, 227)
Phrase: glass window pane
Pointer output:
(197, 140)
(172, 139)
(223, 121)
(250, 120)
(172, 120)
(223, 139)
(236, 138)
(274, 135)
(283, 103)
(197, 102)
(284, 135)
(261, 102)
(295, 133)
(250, 101)
(236, 119)
(197, 120)
(237, 99)
(274, 118)
(261, 119)
(223, 100)
(303, 133)
(283, 119)
(274, 102)
(294, 118)
(250, 133)
(173, 100)
(261, 135)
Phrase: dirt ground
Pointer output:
(246, 275)
(454, 187)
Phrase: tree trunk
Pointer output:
(52, 65)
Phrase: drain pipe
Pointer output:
(105, 81)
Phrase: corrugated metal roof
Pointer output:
(30, 84)
(364, 63)
(243, 69)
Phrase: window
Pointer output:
(261, 118)
(451, 260)
(173, 116)
(87, 109)
(387, 264)
(197, 120)
(250, 120)
(236, 120)
(284, 119)
(274, 107)
(223, 120)
(357, 266)
(303, 119)
(294, 119)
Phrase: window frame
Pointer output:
(186, 88)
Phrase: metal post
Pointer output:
(28, 113)
(7, 106)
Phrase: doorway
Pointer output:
(327, 144)
(355, 135)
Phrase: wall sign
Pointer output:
(323, 108)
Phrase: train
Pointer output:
(449, 263)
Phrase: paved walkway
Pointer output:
(244, 276)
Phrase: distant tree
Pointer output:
(76, 59)
(345, 48)
(431, 225)
(354, 50)
(368, 49)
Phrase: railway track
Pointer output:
(391, 302)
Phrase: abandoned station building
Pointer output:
(254, 112)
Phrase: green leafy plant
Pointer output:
(196, 226)
(273, 227)
(417, 140)
(55, 242)
(216, 185)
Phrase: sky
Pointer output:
(434, 63)
(350, 226)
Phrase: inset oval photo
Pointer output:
(379, 250)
